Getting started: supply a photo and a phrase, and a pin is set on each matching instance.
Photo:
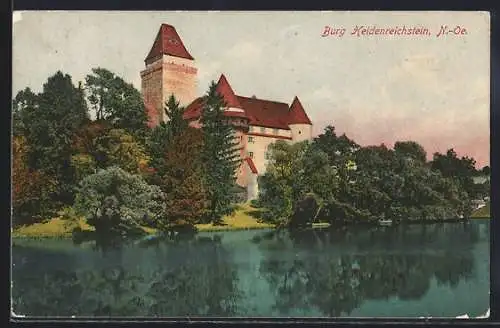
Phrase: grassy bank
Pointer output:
(54, 228)
(243, 219)
(482, 213)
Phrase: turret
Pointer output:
(299, 123)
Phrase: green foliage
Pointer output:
(353, 183)
(84, 164)
(31, 189)
(186, 200)
(117, 102)
(410, 149)
(162, 135)
(114, 201)
(69, 213)
(174, 112)
(48, 121)
(220, 156)
(119, 148)
(24, 107)
(460, 169)
(295, 173)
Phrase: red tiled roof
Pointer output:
(297, 113)
(225, 90)
(168, 42)
(193, 110)
(251, 165)
(266, 113)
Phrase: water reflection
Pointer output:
(174, 278)
(336, 271)
(309, 273)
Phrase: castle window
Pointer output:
(300, 132)
(262, 130)
(275, 132)
(250, 140)
(250, 154)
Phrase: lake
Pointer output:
(438, 270)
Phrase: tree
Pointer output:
(23, 111)
(174, 112)
(220, 155)
(117, 202)
(410, 149)
(462, 169)
(117, 102)
(162, 135)
(298, 182)
(486, 170)
(31, 190)
(186, 200)
(119, 148)
(49, 121)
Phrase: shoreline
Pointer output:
(261, 226)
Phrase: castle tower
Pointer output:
(170, 69)
(299, 123)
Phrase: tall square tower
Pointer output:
(170, 69)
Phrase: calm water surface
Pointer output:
(439, 270)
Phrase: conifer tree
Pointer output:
(162, 134)
(220, 156)
(185, 196)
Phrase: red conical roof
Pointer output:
(168, 42)
(297, 114)
(225, 90)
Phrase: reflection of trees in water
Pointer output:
(335, 271)
(199, 280)
(182, 278)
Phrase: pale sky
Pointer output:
(376, 89)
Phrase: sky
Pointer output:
(374, 88)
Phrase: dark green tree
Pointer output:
(48, 122)
(462, 169)
(117, 102)
(23, 111)
(186, 199)
(162, 135)
(410, 149)
(220, 156)
(486, 170)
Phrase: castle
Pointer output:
(170, 69)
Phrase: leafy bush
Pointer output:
(114, 201)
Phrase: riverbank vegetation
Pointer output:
(333, 179)
(90, 152)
